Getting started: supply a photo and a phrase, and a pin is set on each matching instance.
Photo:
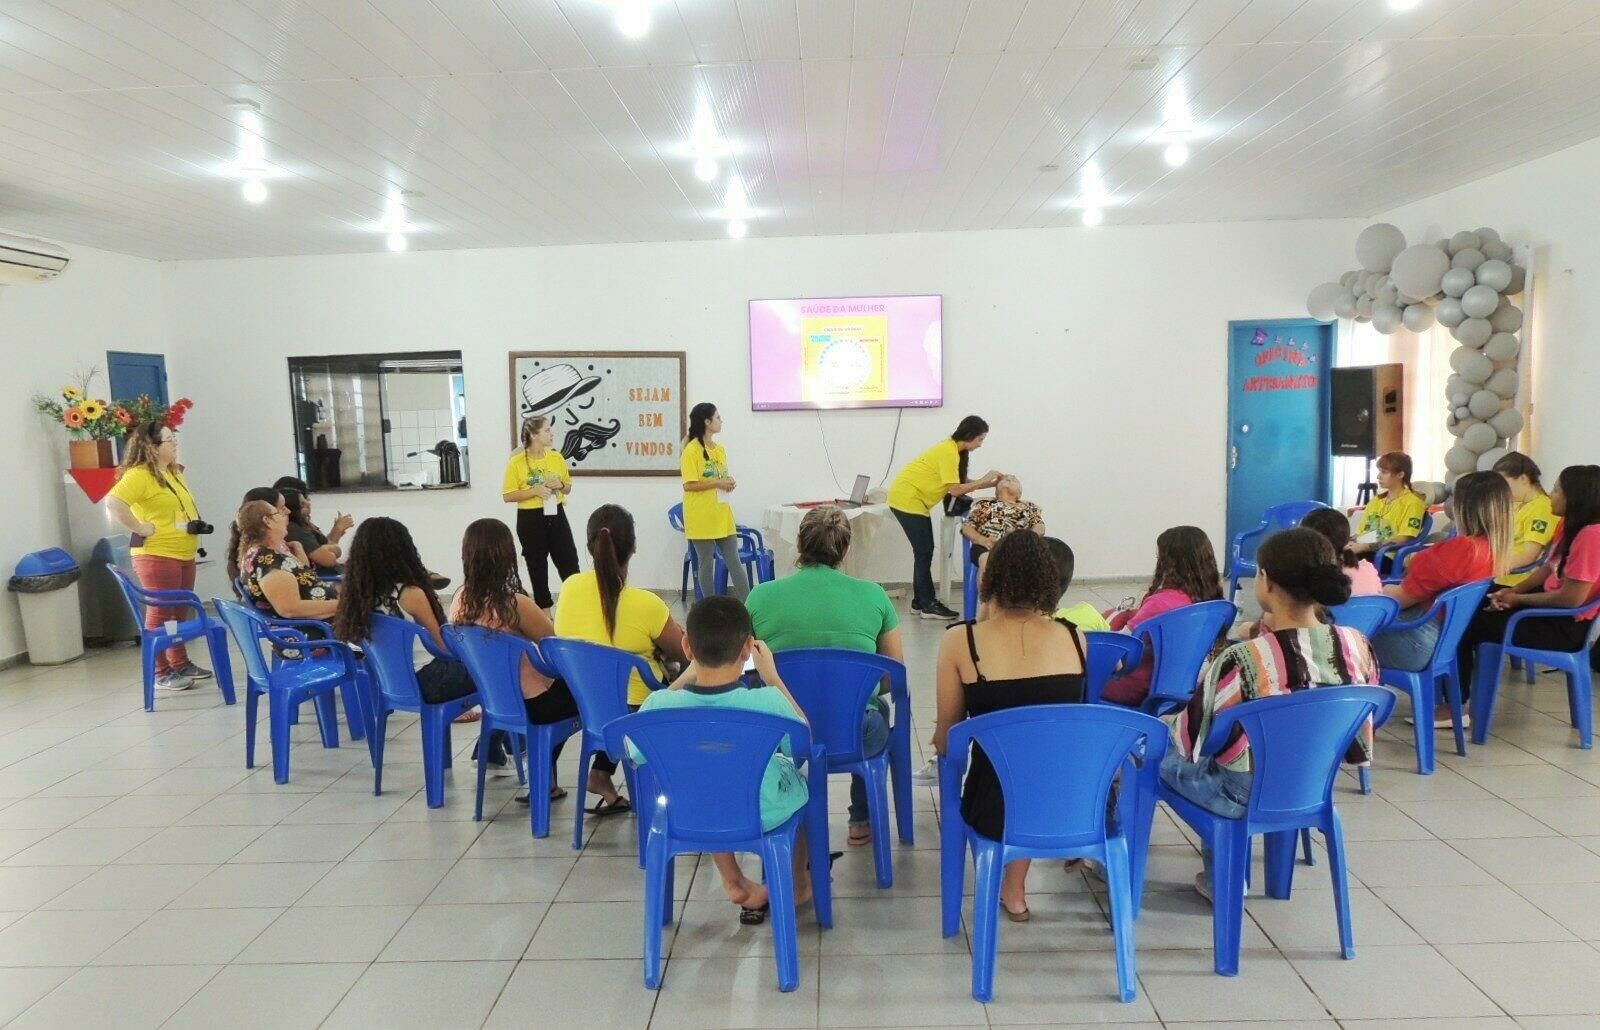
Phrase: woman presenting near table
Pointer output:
(923, 483)
(538, 482)
(707, 518)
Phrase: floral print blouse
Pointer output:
(259, 561)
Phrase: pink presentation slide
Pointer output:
(847, 352)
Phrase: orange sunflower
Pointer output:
(73, 418)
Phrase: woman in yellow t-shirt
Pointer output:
(707, 518)
(1395, 515)
(923, 483)
(538, 483)
(152, 501)
(1535, 522)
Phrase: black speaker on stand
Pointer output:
(1367, 415)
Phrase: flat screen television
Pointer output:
(847, 352)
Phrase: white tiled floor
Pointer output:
(148, 879)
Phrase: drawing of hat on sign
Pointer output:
(550, 388)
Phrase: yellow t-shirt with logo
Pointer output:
(1535, 524)
(166, 504)
(923, 482)
(641, 616)
(1392, 517)
(706, 516)
(523, 472)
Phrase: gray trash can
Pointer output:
(46, 585)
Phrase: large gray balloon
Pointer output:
(1377, 246)
(1345, 305)
(1462, 415)
(1455, 426)
(1417, 270)
(1487, 459)
(1497, 251)
(1474, 367)
(1484, 404)
(1417, 317)
(1449, 313)
(1519, 281)
(1387, 294)
(1507, 423)
(1507, 318)
(1486, 235)
(1501, 347)
(1494, 274)
(1474, 332)
(1459, 459)
(1320, 303)
(1348, 280)
(1457, 281)
(1502, 384)
(1464, 241)
(1458, 359)
(1480, 301)
(1469, 259)
(1386, 319)
(1479, 437)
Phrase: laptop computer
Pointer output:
(858, 497)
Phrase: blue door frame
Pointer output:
(1278, 434)
(131, 374)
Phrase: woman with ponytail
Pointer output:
(1299, 574)
(707, 518)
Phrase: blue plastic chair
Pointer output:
(1179, 642)
(494, 658)
(1574, 665)
(1395, 556)
(1456, 607)
(832, 686)
(598, 677)
(1081, 745)
(1296, 745)
(1529, 671)
(154, 641)
(288, 683)
(705, 769)
(1369, 613)
(1279, 516)
(1108, 655)
(389, 654)
(969, 582)
(760, 566)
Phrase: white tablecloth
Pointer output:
(869, 533)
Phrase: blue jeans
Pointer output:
(919, 530)
(1409, 650)
(875, 728)
(1220, 791)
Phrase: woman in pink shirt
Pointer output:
(1186, 573)
(1331, 523)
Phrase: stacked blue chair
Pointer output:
(598, 677)
(154, 641)
(1390, 559)
(1109, 654)
(1574, 665)
(389, 655)
(1084, 745)
(1456, 607)
(705, 772)
(494, 658)
(287, 683)
(833, 686)
(1180, 640)
(1279, 516)
(760, 565)
(1296, 745)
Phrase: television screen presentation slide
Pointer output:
(847, 352)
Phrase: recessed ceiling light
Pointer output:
(738, 229)
(1093, 216)
(1176, 154)
(397, 242)
(633, 18)
(705, 169)
(254, 190)
(1403, 5)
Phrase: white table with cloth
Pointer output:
(878, 549)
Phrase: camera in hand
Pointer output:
(199, 527)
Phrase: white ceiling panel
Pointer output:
(528, 122)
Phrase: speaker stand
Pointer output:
(1366, 491)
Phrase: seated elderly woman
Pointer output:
(820, 606)
(276, 576)
(990, 520)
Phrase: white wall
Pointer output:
(1548, 203)
(1098, 356)
(49, 333)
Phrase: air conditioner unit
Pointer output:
(24, 260)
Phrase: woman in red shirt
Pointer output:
(1569, 578)
(1481, 550)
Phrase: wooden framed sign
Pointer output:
(617, 413)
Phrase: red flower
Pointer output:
(122, 415)
(174, 418)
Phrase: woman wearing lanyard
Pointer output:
(153, 502)
(707, 518)
(923, 483)
(538, 482)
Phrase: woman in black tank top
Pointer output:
(1044, 662)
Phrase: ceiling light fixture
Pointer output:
(1177, 153)
(254, 190)
(1093, 216)
(738, 228)
(1403, 5)
(705, 169)
(633, 18)
(397, 242)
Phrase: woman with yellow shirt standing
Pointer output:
(152, 500)
(923, 483)
(1535, 523)
(707, 518)
(1395, 515)
(538, 483)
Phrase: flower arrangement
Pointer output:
(90, 418)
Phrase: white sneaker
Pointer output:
(173, 681)
(929, 773)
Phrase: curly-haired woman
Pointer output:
(1017, 656)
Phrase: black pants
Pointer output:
(546, 537)
(1551, 633)
(444, 680)
(557, 704)
(919, 530)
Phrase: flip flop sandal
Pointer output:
(557, 793)
(860, 834)
(470, 715)
(613, 808)
(754, 916)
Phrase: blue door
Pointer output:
(1278, 393)
(135, 374)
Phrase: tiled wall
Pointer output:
(416, 431)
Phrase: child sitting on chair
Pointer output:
(718, 641)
